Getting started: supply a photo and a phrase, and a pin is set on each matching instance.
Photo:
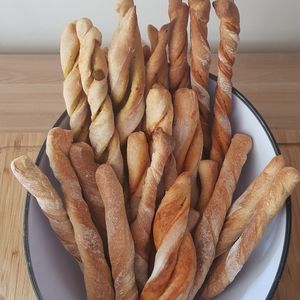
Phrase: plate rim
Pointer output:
(287, 204)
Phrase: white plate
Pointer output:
(55, 275)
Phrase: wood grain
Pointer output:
(31, 101)
(14, 279)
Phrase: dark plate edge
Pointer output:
(288, 203)
(25, 222)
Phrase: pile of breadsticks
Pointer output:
(149, 166)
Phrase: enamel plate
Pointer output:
(55, 275)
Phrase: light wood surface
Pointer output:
(31, 101)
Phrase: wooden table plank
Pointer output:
(31, 89)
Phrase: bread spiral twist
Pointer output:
(229, 39)
(200, 63)
(75, 98)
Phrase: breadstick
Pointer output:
(75, 98)
(147, 53)
(133, 110)
(94, 72)
(162, 146)
(138, 161)
(159, 114)
(38, 184)
(200, 63)
(120, 55)
(169, 228)
(183, 276)
(208, 173)
(208, 229)
(120, 243)
(178, 45)
(159, 110)
(188, 136)
(97, 276)
(186, 125)
(157, 57)
(243, 208)
(193, 219)
(229, 265)
(82, 159)
(162, 76)
(170, 173)
(228, 14)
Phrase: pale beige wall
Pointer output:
(35, 25)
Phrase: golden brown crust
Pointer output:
(200, 63)
(133, 109)
(170, 172)
(183, 276)
(120, 55)
(162, 146)
(83, 161)
(94, 76)
(75, 98)
(169, 228)
(138, 161)
(188, 137)
(97, 275)
(38, 184)
(162, 76)
(193, 219)
(208, 229)
(186, 125)
(158, 57)
(230, 264)
(120, 242)
(159, 110)
(243, 208)
(208, 174)
(178, 45)
(228, 14)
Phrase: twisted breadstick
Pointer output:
(138, 161)
(120, 243)
(229, 265)
(75, 98)
(133, 109)
(188, 135)
(169, 227)
(159, 114)
(243, 208)
(93, 71)
(200, 62)
(159, 110)
(178, 45)
(208, 174)
(184, 273)
(97, 276)
(229, 36)
(158, 56)
(120, 55)
(162, 76)
(82, 159)
(38, 184)
(162, 146)
(208, 229)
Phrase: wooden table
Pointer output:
(31, 100)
